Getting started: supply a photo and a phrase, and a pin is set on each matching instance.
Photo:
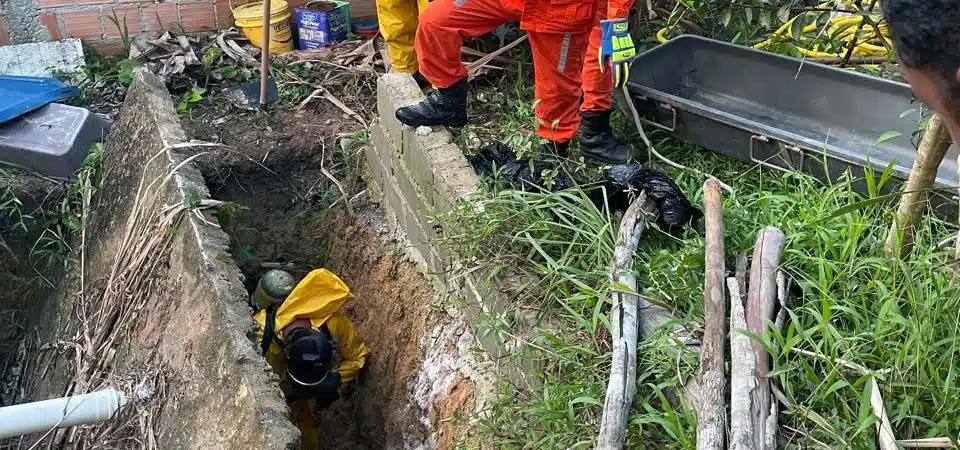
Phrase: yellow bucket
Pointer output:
(249, 18)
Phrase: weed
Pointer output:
(850, 302)
(12, 216)
(190, 99)
(66, 218)
(122, 29)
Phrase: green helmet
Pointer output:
(274, 287)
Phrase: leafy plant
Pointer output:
(68, 216)
(190, 98)
(125, 71)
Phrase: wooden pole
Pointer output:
(622, 385)
(932, 149)
(956, 244)
(711, 412)
(760, 308)
(265, 54)
(742, 369)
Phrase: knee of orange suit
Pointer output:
(433, 36)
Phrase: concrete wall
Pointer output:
(23, 21)
(421, 177)
(197, 328)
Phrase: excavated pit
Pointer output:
(282, 214)
(189, 338)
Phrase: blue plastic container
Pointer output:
(322, 23)
(24, 94)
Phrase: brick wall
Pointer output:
(92, 20)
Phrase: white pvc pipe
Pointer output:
(95, 407)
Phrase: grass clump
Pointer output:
(896, 318)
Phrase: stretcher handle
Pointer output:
(784, 154)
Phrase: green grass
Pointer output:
(849, 301)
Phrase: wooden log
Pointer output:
(932, 149)
(884, 430)
(742, 369)
(622, 385)
(760, 308)
(956, 244)
(711, 413)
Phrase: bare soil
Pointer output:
(25, 283)
(273, 170)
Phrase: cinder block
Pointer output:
(385, 149)
(452, 184)
(394, 91)
(411, 193)
(420, 239)
(394, 199)
(420, 151)
(377, 170)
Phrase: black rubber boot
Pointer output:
(422, 81)
(598, 143)
(445, 106)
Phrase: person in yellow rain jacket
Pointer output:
(398, 21)
(313, 347)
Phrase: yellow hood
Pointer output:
(316, 297)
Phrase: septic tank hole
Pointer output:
(280, 215)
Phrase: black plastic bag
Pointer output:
(675, 210)
(519, 173)
(622, 181)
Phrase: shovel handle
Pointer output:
(265, 53)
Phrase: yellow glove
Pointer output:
(617, 46)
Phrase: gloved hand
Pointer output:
(325, 392)
(328, 391)
(617, 46)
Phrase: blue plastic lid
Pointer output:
(365, 26)
(25, 94)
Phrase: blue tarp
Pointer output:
(24, 94)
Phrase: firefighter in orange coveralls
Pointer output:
(312, 347)
(559, 32)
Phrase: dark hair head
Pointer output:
(308, 355)
(926, 34)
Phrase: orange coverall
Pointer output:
(558, 30)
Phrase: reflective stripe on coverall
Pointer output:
(398, 24)
(317, 297)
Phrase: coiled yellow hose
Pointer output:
(840, 28)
